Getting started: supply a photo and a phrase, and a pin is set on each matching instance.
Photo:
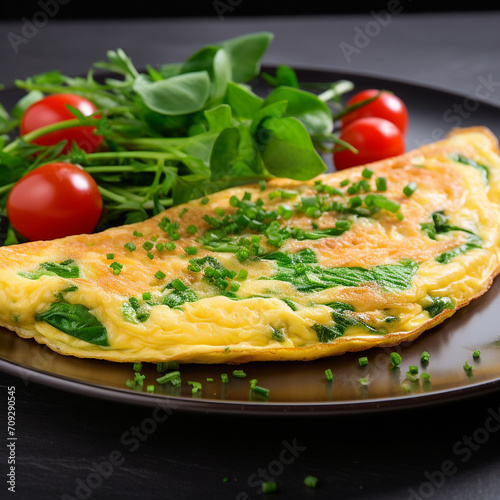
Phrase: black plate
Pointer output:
(301, 387)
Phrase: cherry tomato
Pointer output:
(386, 105)
(374, 138)
(52, 109)
(55, 200)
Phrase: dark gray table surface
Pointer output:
(70, 446)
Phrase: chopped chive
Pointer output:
(196, 386)
(150, 255)
(191, 229)
(363, 361)
(253, 383)
(425, 377)
(176, 382)
(204, 200)
(146, 296)
(353, 189)
(139, 379)
(150, 388)
(191, 250)
(210, 379)
(239, 374)
(224, 377)
(195, 268)
(220, 212)
(355, 202)
(329, 374)
(467, 367)
(363, 381)
(163, 366)
(110, 256)
(261, 391)
(345, 182)
(395, 359)
(262, 185)
(412, 377)
(130, 384)
(476, 354)
(406, 387)
(130, 246)
(269, 487)
(137, 367)
(160, 275)
(138, 234)
(342, 224)
(243, 274)
(178, 285)
(235, 287)
(410, 188)
(413, 369)
(170, 245)
(311, 481)
(242, 254)
(183, 211)
(117, 268)
(367, 173)
(168, 377)
(148, 245)
(160, 247)
(154, 238)
(381, 184)
(424, 357)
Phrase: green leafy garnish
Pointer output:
(180, 131)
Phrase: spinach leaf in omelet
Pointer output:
(77, 321)
(298, 269)
(483, 169)
(440, 225)
(65, 269)
(344, 318)
(438, 305)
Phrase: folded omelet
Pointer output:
(286, 270)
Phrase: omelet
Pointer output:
(283, 270)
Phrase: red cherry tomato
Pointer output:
(374, 138)
(52, 109)
(55, 200)
(386, 105)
